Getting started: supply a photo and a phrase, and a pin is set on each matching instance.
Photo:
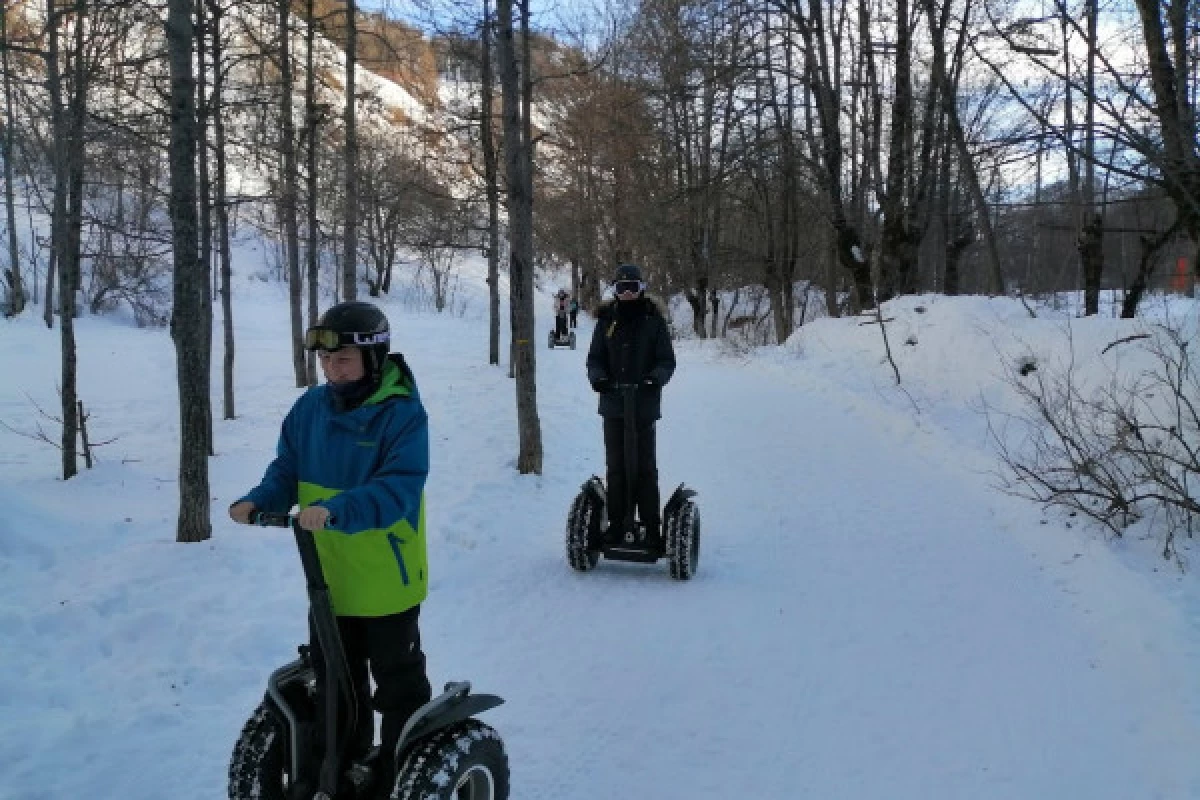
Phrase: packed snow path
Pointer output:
(862, 625)
(870, 619)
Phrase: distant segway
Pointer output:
(588, 525)
(443, 752)
(566, 340)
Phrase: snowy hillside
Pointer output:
(871, 618)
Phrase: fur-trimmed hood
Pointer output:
(656, 304)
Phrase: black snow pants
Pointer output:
(645, 492)
(391, 647)
(574, 318)
(560, 325)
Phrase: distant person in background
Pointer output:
(561, 305)
(574, 312)
(631, 345)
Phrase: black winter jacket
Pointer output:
(631, 344)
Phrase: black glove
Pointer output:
(602, 385)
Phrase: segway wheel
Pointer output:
(683, 541)
(572, 340)
(550, 341)
(463, 762)
(259, 767)
(583, 529)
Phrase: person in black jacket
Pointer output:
(631, 345)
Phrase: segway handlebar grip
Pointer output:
(270, 519)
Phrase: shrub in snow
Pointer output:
(1115, 452)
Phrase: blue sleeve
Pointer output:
(277, 492)
(394, 490)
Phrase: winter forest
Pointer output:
(889, 233)
(811, 158)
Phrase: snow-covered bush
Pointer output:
(1116, 452)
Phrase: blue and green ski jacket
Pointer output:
(368, 466)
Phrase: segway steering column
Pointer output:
(337, 671)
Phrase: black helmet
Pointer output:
(353, 324)
(628, 272)
(628, 279)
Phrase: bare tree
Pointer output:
(221, 206)
(491, 178)
(823, 45)
(188, 319)
(204, 187)
(312, 121)
(350, 228)
(289, 189)
(518, 152)
(1141, 102)
(67, 125)
(16, 289)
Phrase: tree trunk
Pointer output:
(697, 298)
(827, 97)
(1091, 256)
(1091, 240)
(312, 251)
(288, 183)
(832, 307)
(350, 234)
(205, 192)
(492, 182)
(971, 175)
(187, 318)
(52, 262)
(1179, 157)
(520, 235)
(895, 253)
(69, 277)
(222, 211)
(58, 128)
(62, 129)
(14, 259)
(1150, 248)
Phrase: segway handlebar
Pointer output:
(270, 519)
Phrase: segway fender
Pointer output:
(595, 487)
(452, 706)
(681, 495)
(297, 672)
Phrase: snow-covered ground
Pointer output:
(871, 618)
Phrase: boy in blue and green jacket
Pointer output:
(354, 454)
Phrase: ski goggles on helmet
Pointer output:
(624, 287)
(318, 338)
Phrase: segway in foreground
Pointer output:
(443, 753)
(588, 525)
